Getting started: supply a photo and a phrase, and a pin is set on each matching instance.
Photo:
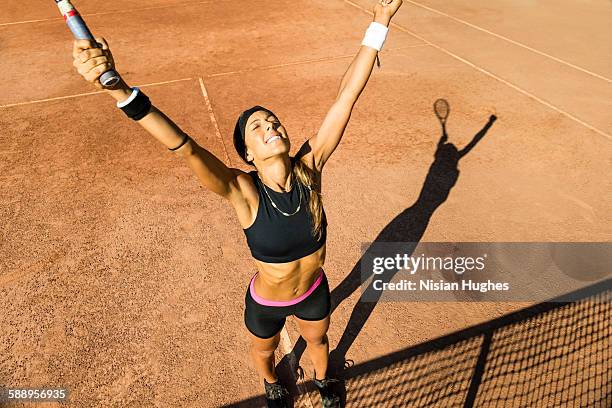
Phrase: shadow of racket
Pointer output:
(442, 109)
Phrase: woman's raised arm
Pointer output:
(353, 82)
(91, 62)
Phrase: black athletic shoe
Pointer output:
(329, 398)
(275, 395)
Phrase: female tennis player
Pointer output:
(279, 204)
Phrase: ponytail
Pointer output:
(307, 177)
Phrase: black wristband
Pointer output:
(185, 139)
(139, 107)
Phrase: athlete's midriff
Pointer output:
(290, 280)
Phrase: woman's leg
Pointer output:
(262, 353)
(264, 324)
(317, 345)
(312, 315)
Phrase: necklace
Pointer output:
(274, 204)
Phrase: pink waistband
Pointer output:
(291, 302)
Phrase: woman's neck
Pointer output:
(276, 173)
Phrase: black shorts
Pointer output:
(266, 321)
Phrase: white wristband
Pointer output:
(130, 99)
(375, 36)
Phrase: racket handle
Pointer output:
(80, 31)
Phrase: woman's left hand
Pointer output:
(386, 9)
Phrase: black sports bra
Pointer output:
(276, 238)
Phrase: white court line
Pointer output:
(492, 75)
(559, 60)
(87, 93)
(286, 349)
(110, 12)
(211, 113)
(265, 67)
(50, 99)
(287, 64)
(242, 71)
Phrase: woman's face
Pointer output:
(264, 137)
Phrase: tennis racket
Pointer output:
(81, 32)
(442, 109)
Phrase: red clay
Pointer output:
(124, 280)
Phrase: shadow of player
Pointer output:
(409, 227)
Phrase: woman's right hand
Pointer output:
(386, 9)
(91, 62)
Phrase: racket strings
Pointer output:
(441, 108)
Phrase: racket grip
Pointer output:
(109, 78)
(80, 31)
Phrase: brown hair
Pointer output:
(308, 177)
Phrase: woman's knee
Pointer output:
(262, 353)
(314, 332)
(264, 347)
(315, 339)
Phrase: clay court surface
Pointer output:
(123, 280)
